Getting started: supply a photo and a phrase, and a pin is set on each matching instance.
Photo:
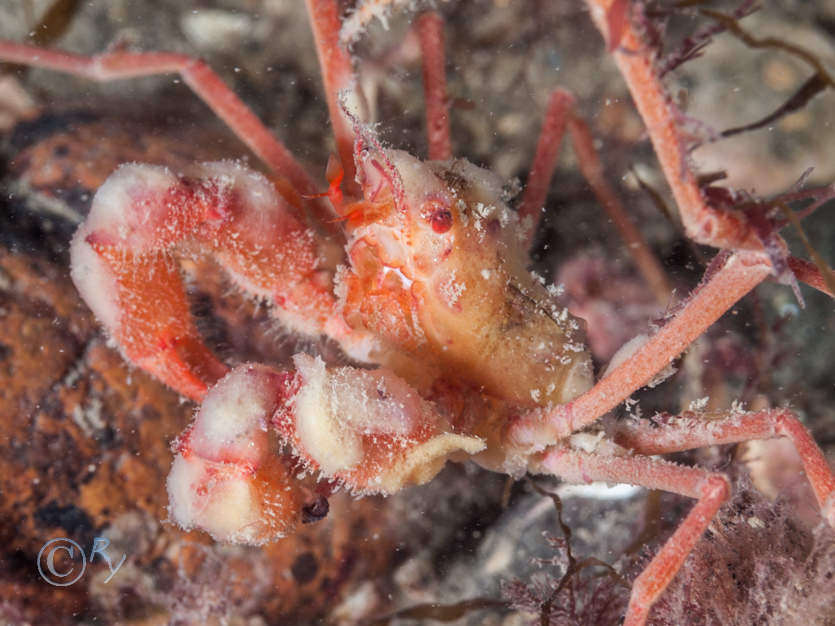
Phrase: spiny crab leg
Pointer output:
(703, 223)
(708, 488)
(696, 431)
(724, 227)
(340, 83)
(144, 220)
(721, 288)
(338, 77)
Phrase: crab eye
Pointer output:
(439, 216)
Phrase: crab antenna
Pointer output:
(337, 75)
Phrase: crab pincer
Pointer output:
(258, 429)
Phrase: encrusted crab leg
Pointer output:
(703, 223)
(228, 477)
(366, 430)
(708, 488)
(430, 28)
(558, 117)
(722, 227)
(696, 431)
(341, 91)
(145, 219)
(725, 283)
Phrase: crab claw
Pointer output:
(227, 479)
(366, 429)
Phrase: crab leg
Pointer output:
(366, 430)
(337, 75)
(430, 28)
(592, 170)
(559, 116)
(144, 220)
(195, 73)
(688, 432)
(544, 162)
(227, 478)
(708, 488)
(721, 288)
(703, 223)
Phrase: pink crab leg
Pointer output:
(688, 432)
(145, 220)
(708, 488)
(159, 335)
(593, 172)
(430, 28)
(337, 75)
(702, 223)
(195, 73)
(718, 292)
(557, 118)
(544, 162)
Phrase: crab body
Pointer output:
(439, 270)
(457, 351)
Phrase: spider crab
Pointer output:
(428, 282)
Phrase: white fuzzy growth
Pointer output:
(260, 205)
(209, 496)
(232, 422)
(126, 207)
(94, 280)
(364, 13)
(318, 422)
(335, 409)
(122, 214)
(451, 291)
(699, 404)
